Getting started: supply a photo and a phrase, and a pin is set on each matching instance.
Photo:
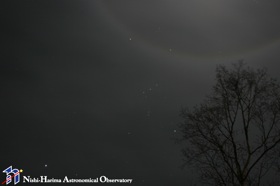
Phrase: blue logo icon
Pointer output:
(15, 174)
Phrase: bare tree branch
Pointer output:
(232, 136)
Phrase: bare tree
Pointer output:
(233, 136)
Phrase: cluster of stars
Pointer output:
(149, 89)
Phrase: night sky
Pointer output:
(92, 88)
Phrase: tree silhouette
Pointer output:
(233, 136)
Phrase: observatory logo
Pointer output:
(11, 174)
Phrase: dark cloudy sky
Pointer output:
(91, 88)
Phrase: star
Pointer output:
(46, 165)
(175, 131)
(157, 29)
(20, 170)
(170, 50)
(130, 39)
